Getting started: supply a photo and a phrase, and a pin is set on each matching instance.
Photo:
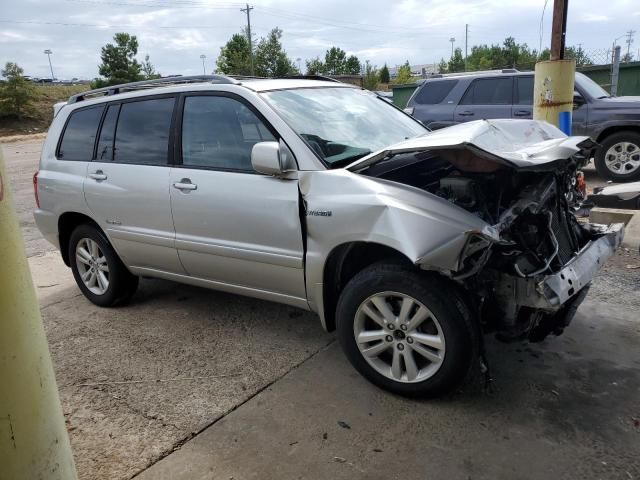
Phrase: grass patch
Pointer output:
(41, 112)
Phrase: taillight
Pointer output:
(35, 188)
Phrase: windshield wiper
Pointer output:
(350, 159)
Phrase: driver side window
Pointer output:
(220, 132)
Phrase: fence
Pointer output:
(628, 78)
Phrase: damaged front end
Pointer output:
(530, 268)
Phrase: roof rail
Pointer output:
(144, 84)
(474, 72)
(313, 77)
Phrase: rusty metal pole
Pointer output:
(33, 438)
(554, 79)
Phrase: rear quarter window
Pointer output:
(79, 134)
(433, 93)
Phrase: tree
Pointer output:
(370, 80)
(443, 66)
(352, 66)
(626, 58)
(270, 59)
(334, 61)
(148, 70)
(16, 93)
(315, 66)
(403, 74)
(118, 61)
(456, 64)
(384, 74)
(235, 56)
(580, 56)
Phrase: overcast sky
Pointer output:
(176, 32)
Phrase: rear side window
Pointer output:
(434, 92)
(142, 133)
(489, 91)
(80, 134)
(524, 90)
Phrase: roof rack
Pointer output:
(145, 84)
(313, 77)
(475, 72)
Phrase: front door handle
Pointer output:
(466, 113)
(98, 175)
(522, 113)
(185, 184)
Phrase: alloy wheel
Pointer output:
(92, 266)
(623, 158)
(399, 337)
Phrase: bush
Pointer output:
(16, 93)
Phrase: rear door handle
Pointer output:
(522, 113)
(185, 184)
(98, 175)
(466, 113)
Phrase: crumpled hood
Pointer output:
(519, 143)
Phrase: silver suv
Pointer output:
(323, 196)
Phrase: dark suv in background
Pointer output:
(614, 122)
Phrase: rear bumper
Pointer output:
(47, 223)
(552, 292)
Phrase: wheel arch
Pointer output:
(67, 222)
(617, 129)
(343, 263)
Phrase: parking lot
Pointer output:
(191, 383)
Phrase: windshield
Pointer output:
(591, 88)
(342, 124)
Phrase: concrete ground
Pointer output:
(240, 388)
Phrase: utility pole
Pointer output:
(247, 10)
(466, 43)
(48, 52)
(559, 29)
(204, 70)
(452, 40)
(629, 41)
(615, 70)
(554, 79)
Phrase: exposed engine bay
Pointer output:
(532, 209)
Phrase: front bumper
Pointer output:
(551, 292)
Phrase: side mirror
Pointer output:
(578, 99)
(266, 158)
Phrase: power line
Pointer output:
(99, 25)
(541, 29)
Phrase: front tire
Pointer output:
(406, 331)
(97, 269)
(618, 158)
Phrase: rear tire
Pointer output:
(618, 158)
(97, 269)
(378, 324)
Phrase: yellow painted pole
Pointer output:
(553, 90)
(33, 438)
